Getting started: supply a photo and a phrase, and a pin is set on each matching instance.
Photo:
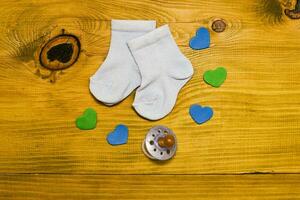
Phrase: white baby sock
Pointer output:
(119, 75)
(164, 70)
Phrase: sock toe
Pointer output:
(153, 107)
(147, 112)
(102, 91)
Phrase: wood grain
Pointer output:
(257, 111)
(246, 187)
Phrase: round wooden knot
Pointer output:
(168, 141)
(60, 52)
(292, 14)
(295, 13)
(218, 26)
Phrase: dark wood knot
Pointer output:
(218, 25)
(293, 14)
(60, 52)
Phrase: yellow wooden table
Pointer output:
(249, 150)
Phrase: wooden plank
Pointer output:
(243, 187)
(256, 122)
(170, 11)
(165, 11)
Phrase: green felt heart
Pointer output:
(87, 120)
(215, 77)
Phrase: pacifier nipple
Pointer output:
(167, 141)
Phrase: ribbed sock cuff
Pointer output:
(133, 25)
(149, 38)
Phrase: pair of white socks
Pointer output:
(145, 57)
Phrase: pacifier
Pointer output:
(160, 143)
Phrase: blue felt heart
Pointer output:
(201, 114)
(201, 40)
(118, 136)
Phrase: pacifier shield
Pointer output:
(160, 143)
